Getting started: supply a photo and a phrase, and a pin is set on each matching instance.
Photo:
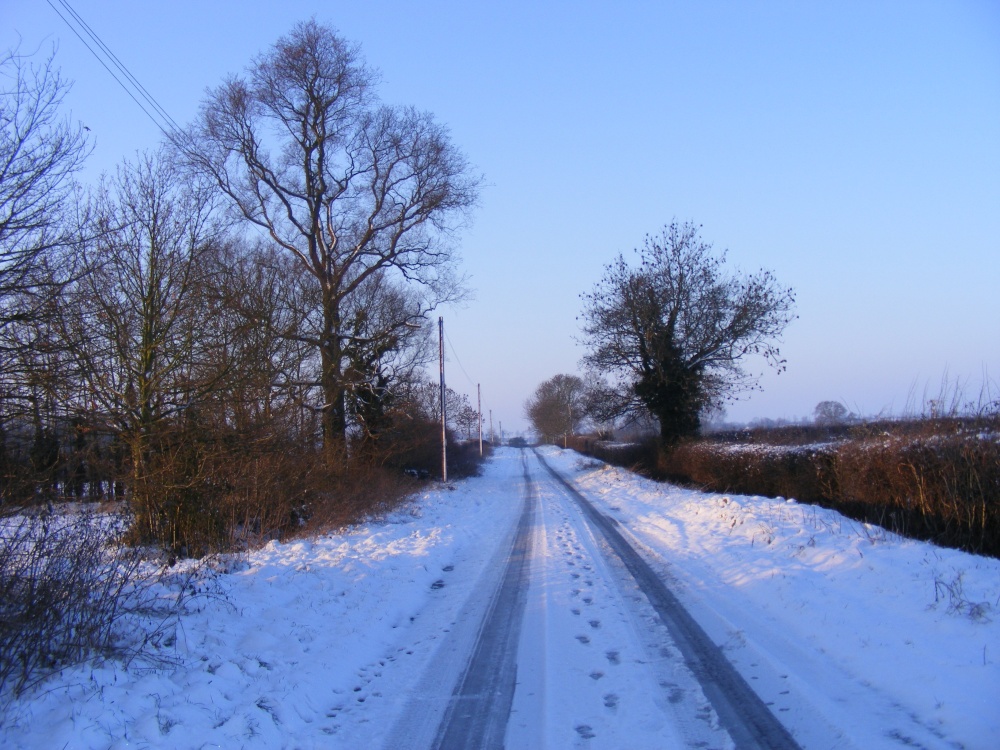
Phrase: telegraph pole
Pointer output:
(444, 409)
(479, 398)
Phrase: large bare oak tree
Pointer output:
(349, 187)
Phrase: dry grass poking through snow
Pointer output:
(71, 589)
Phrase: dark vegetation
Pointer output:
(218, 345)
(930, 479)
(223, 388)
(672, 332)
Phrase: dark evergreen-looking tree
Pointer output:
(350, 188)
(388, 343)
(674, 331)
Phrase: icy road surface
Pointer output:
(503, 612)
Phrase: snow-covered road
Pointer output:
(369, 638)
(579, 646)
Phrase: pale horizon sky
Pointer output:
(853, 148)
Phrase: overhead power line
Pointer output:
(131, 85)
(451, 346)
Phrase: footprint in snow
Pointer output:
(613, 657)
(585, 731)
(583, 639)
(595, 624)
(575, 611)
(448, 568)
(438, 584)
(596, 675)
(675, 694)
(611, 700)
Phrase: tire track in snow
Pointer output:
(478, 712)
(587, 676)
(741, 711)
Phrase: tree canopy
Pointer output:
(356, 191)
(557, 407)
(674, 331)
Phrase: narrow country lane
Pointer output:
(582, 646)
(478, 712)
(527, 609)
(713, 695)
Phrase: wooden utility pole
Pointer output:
(444, 408)
(479, 407)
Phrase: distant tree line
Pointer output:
(227, 329)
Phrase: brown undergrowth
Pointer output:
(937, 480)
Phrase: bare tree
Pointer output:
(253, 300)
(350, 188)
(467, 419)
(39, 154)
(831, 413)
(139, 316)
(676, 330)
(558, 407)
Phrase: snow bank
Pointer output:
(294, 647)
(915, 624)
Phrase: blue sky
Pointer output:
(853, 148)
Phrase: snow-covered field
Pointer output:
(877, 641)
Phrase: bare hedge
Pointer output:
(937, 481)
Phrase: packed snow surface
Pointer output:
(854, 637)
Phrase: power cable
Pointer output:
(172, 128)
(121, 66)
(451, 346)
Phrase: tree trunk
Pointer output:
(332, 383)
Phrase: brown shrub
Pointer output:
(801, 473)
(350, 494)
(943, 488)
(937, 480)
(640, 456)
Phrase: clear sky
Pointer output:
(852, 147)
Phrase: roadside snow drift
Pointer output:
(324, 643)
